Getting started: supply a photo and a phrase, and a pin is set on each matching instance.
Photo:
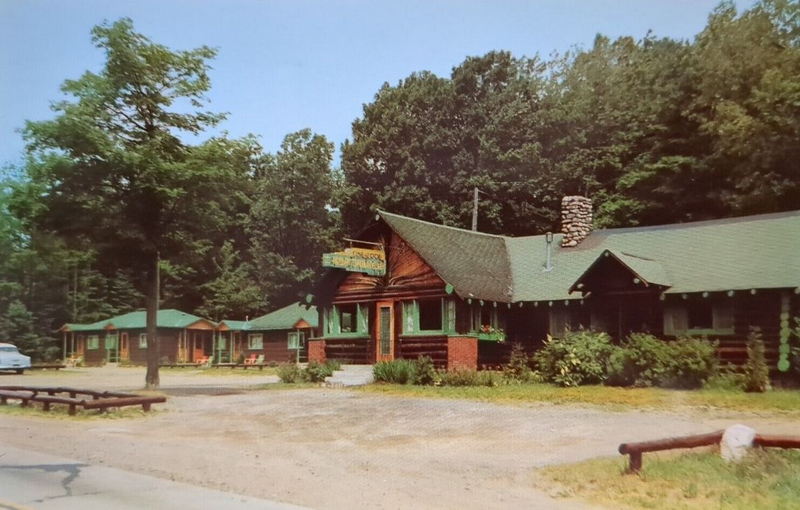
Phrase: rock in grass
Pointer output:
(736, 441)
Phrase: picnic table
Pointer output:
(75, 397)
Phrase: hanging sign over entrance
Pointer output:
(357, 260)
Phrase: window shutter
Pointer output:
(408, 316)
(676, 320)
(363, 318)
(723, 316)
(558, 322)
(450, 314)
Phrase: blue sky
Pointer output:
(285, 65)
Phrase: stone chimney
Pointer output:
(576, 219)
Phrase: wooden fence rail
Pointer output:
(102, 400)
(635, 450)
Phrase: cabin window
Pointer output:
(296, 339)
(111, 341)
(484, 318)
(569, 318)
(430, 314)
(93, 342)
(255, 341)
(349, 319)
(699, 317)
(142, 340)
(221, 342)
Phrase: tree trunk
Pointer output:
(152, 379)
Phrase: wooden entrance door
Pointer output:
(384, 331)
(123, 346)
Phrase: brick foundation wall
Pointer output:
(462, 353)
(316, 351)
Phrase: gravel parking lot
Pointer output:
(326, 448)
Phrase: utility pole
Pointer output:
(475, 211)
(75, 291)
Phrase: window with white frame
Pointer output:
(93, 342)
(142, 340)
(255, 341)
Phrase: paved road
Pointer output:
(30, 480)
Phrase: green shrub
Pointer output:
(317, 372)
(756, 372)
(645, 360)
(399, 371)
(641, 360)
(518, 368)
(692, 362)
(726, 379)
(580, 357)
(289, 373)
(462, 377)
(425, 371)
(333, 364)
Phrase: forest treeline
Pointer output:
(654, 130)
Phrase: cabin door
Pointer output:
(384, 331)
(123, 346)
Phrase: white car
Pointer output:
(11, 359)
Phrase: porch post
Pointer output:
(64, 346)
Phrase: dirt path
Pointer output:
(345, 449)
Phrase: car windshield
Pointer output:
(6, 348)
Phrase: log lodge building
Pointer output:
(407, 287)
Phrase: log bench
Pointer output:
(635, 450)
(101, 400)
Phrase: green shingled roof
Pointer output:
(137, 320)
(743, 253)
(284, 318)
(474, 263)
(236, 325)
(648, 271)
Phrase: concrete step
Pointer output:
(351, 375)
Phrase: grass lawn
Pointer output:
(606, 396)
(287, 386)
(690, 480)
